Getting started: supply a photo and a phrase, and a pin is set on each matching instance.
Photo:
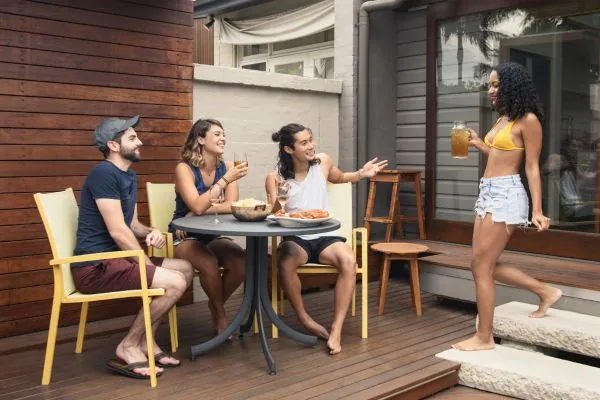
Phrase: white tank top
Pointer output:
(308, 194)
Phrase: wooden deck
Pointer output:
(397, 361)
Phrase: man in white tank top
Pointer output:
(307, 175)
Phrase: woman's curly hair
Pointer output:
(286, 136)
(191, 152)
(517, 95)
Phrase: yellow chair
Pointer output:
(161, 205)
(340, 199)
(60, 214)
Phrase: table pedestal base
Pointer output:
(256, 300)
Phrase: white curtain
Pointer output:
(279, 27)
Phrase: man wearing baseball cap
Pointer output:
(108, 222)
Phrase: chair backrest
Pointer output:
(161, 204)
(60, 215)
(340, 201)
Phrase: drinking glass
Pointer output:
(216, 196)
(240, 157)
(459, 140)
(283, 188)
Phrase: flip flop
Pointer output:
(162, 355)
(121, 367)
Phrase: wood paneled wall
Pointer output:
(64, 66)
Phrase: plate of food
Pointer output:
(300, 219)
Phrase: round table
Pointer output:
(256, 296)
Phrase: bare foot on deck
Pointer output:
(334, 344)
(547, 300)
(130, 355)
(314, 328)
(219, 318)
(475, 344)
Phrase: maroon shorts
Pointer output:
(113, 275)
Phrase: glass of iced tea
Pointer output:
(240, 157)
(460, 140)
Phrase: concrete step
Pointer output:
(525, 375)
(559, 329)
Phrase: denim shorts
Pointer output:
(505, 198)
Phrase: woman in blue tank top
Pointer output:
(201, 167)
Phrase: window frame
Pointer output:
(553, 242)
(306, 54)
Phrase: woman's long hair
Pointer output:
(191, 152)
(286, 136)
(517, 95)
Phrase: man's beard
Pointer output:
(131, 155)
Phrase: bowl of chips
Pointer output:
(250, 210)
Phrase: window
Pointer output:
(560, 48)
(261, 66)
(310, 56)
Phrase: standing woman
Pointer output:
(200, 168)
(503, 204)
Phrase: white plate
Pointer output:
(288, 222)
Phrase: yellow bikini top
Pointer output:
(503, 139)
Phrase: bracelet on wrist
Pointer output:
(360, 176)
(225, 179)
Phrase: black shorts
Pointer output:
(315, 247)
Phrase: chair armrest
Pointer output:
(141, 256)
(100, 256)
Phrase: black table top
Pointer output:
(232, 227)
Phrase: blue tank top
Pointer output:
(181, 209)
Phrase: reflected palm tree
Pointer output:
(531, 25)
(475, 31)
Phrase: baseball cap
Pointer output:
(108, 129)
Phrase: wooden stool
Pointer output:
(399, 251)
(395, 177)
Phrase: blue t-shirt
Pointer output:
(105, 181)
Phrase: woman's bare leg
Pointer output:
(233, 259)
(510, 275)
(489, 240)
(206, 263)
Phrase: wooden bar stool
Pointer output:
(394, 217)
(399, 251)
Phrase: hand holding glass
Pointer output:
(460, 140)
(216, 196)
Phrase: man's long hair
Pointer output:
(286, 136)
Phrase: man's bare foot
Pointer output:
(552, 295)
(130, 354)
(314, 328)
(165, 359)
(475, 343)
(334, 344)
